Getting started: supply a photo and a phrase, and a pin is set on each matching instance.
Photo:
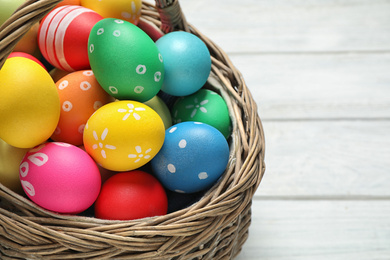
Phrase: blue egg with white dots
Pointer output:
(187, 63)
(193, 157)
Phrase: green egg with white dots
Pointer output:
(204, 106)
(125, 60)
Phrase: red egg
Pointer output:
(131, 195)
(150, 29)
(26, 55)
(63, 36)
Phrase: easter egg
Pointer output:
(63, 36)
(193, 157)
(158, 105)
(10, 158)
(150, 29)
(187, 63)
(26, 55)
(60, 177)
(121, 9)
(204, 106)
(80, 96)
(30, 105)
(131, 195)
(68, 2)
(126, 62)
(29, 42)
(7, 8)
(124, 135)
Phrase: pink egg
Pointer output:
(63, 36)
(60, 177)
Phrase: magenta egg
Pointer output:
(63, 36)
(60, 177)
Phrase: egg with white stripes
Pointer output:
(125, 60)
(193, 157)
(63, 36)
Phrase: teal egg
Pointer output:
(125, 60)
(204, 106)
(187, 63)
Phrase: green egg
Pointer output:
(158, 105)
(204, 106)
(125, 60)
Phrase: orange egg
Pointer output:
(29, 42)
(80, 96)
(68, 2)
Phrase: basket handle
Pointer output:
(31, 11)
(171, 15)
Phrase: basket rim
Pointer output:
(228, 199)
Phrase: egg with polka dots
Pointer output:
(80, 96)
(193, 157)
(125, 60)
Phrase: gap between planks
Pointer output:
(321, 198)
(308, 119)
(341, 52)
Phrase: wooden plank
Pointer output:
(293, 26)
(333, 159)
(320, 230)
(318, 86)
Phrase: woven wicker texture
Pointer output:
(214, 227)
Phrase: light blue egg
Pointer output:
(192, 158)
(187, 63)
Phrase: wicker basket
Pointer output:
(214, 227)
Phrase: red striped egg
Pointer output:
(63, 36)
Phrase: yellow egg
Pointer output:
(124, 135)
(30, 105)
(129, 10)
(10, 158)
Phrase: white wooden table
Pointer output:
(320, 74)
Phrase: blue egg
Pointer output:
(187, 63)
(193, 157)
